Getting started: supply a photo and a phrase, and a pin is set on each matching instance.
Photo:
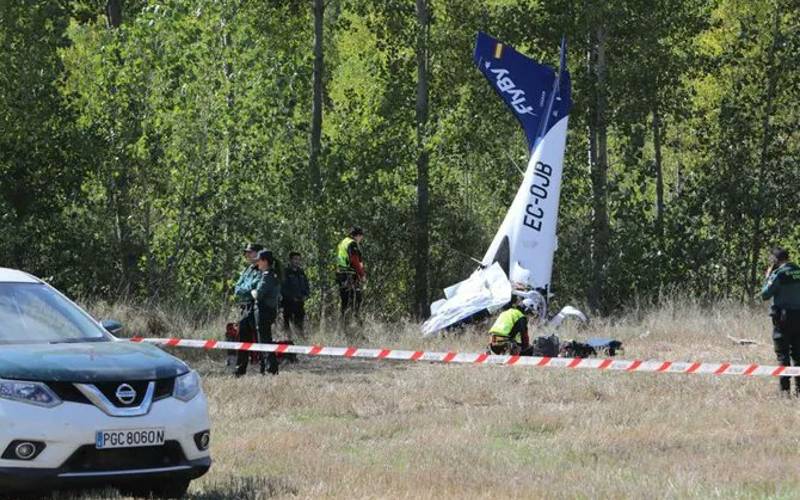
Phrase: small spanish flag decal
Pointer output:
(498, 50)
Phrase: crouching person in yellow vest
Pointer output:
(509, 334)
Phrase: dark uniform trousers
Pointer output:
(350, 294)
(265, 317)
(247, 333)
(786, 338)
(294, 313)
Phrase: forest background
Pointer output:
(143, 143)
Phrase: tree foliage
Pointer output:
(138, 159)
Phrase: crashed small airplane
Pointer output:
(520, 259)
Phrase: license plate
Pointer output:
(129, 438)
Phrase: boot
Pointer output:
(272, 362)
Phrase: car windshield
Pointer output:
(35, 313)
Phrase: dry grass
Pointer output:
(337, 428)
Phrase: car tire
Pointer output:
(170, 488)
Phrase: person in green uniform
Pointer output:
(248, 281)
(783, 287)
(267, 295)
(509, 333)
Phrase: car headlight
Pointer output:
(35, 393)
(187, 386)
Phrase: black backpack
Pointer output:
(546, 346)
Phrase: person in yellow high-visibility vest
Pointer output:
(509, 333)
(350, 273)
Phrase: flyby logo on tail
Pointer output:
(524, 85)
(506, 84)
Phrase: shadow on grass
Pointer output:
(240, 488)
(246, 488)
(327, 366)
(315, 366)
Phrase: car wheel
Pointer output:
(168, 488)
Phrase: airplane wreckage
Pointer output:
(519, 260)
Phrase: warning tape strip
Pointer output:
(636, 365)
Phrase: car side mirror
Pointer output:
(112, 326)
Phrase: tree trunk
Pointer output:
(422, 225)
(313, 159)
(598, 147)
(150, 260)
(657, 131)
(119, 187)
(113, 13)
(772, 82)
(231, 152)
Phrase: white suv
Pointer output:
(80, 407)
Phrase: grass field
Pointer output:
(364, 429)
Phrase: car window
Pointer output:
(36, 313)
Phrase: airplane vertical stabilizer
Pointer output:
(525, 244)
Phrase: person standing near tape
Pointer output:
(266, 295)
(783, 287)
(294, 291)
(509, 333)
(350, 274)
(247, 283)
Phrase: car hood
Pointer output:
(88, 362)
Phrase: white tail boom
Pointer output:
(520, 258)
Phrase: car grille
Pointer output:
(164, 388)
(109, 390)
(87, 458)
(68, 392)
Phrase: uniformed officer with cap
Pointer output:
(247, 283)
(783, 287)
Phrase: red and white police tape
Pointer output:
(490, 359)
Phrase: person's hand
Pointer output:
(254, 293)
(769, 270)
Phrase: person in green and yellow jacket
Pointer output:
(783, 287)
(509, 333)
(351, 275)
(248, 281)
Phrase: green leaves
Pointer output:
(147, 154)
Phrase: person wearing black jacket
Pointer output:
(295, 290)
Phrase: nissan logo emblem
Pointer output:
(126, 394)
